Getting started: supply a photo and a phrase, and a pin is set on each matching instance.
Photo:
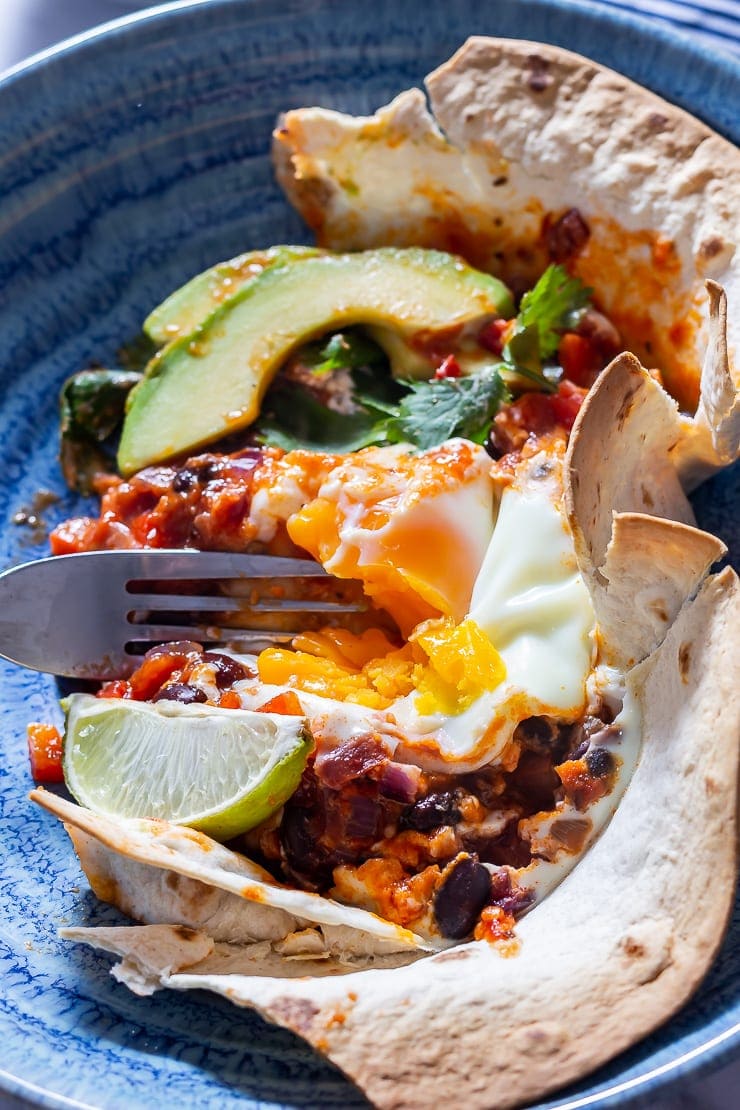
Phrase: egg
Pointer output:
(511, 630)
(413, 528)
(532, 604)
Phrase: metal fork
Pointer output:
(93, 615)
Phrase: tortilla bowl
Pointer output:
(211, 254)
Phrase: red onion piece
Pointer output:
(362, 817)
(399, 781)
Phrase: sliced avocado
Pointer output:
(191, 304)
(210, 382)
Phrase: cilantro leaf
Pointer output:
(521, 356)
(553, 306)
(348, 350)
(298, 420)
(434, 411)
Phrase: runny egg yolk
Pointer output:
(449, 665)
(413, 528)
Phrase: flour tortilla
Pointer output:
(610, 954)
(626, 938)
(521, 131)
(631, 521)
(158, 872)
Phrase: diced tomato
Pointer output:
(286, 703)
(534, 412)
(45, 752)
(448, 368)
(143, 528)
(230, 700)
(494, 335)
(118, 688)
(566, 403)
(154, 671)
(494, 925)
(579, 358)
(581, 787)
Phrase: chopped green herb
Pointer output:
(297, 416)
(348, 350)
(554, 305)
(435, 411)
(298, 420)
(425, 416)
(521, 356)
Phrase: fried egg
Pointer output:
(413, 528)
(530, 600)
(497, 621)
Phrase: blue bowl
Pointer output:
(132, 158)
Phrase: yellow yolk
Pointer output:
(448, 665)
(462, 665)
(413, 528)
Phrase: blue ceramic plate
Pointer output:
(131, 159)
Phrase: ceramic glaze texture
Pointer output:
(129, 162)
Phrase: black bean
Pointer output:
(206, 468)
(567, 236)
(538, 734)
(431, 812)
(499, 443)
(581, 733)
(182, 692)
(228, 670)
(306, 858)
(462, 896)
(600, 762)
(184, 481)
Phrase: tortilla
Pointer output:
(631, 523)
(624, 940)
(520, 134)
(155, 871)
(617, 948)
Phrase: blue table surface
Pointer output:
(27, 26)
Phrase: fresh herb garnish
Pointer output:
(298, 420)
(350, 350)
(434, 411)
(298, 413)
(553, 306)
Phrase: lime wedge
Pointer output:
(222, 771)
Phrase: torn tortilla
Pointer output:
(523, 134)
(156, 872)
(618, 947)
(519, 135)
(631, 521)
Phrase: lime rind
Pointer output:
(222, 771)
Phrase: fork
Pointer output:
(92, 615)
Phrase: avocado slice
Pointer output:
(210, 382)
(186, 309)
